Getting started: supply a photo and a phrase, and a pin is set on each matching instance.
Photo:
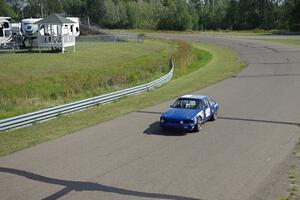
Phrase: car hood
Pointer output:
(181, 113)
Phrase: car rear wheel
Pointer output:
(198, 126)
(214, 116)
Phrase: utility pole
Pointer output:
(265, 14)
(201, 13)
(213, 1)
(42, 8)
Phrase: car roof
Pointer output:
(192, 97)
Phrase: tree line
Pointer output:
(167, 14)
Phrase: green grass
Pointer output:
(31, 81)
(289, 42)
(293, 176)
(293, 187)
(210, 69)
(296, 151)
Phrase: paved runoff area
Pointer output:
(237, 157)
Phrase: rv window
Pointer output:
(77, 29)
(1, 32)
(72, 28)
(6, 25)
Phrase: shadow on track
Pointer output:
(155, 129)
(259, 121)
(87, 186)
(266, 75)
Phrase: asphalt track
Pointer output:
(130, 158)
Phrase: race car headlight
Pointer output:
(162, 120)
(181, 122)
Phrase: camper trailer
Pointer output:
(75, 26)
(16, 29)
(29, 28)
(5, 31)
(30, 31)
(17, 36)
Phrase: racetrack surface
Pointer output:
(131, 158)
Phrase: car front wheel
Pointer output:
(198, 126)
(214, 117)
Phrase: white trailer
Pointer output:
(16, 29)
(17, 35)
(29, 28)
(5, 31)
(76, 26)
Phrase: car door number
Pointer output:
(207, 108)
(207, 112)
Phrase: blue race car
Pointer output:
(189, 112)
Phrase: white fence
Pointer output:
(46, 40)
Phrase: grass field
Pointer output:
(210, 68)
(31, 81)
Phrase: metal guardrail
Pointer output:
(54, 112)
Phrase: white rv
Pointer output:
(17, 36)
(5, 30)
(16, 29)
(76, 25)
(29, 28)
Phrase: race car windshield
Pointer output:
(187, 103)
